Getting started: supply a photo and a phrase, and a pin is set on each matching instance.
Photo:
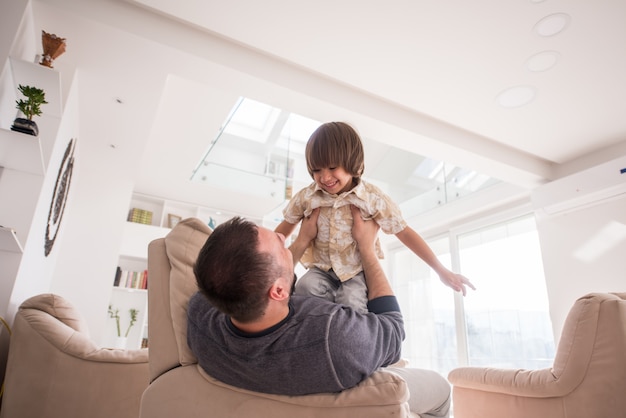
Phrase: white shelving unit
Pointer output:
(22, 162)
(21, 152)
(9, 241)
(32, 74)
(162, 209)
(133, 254)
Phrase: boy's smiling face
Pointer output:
(333, 180)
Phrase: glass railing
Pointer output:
(259, 152)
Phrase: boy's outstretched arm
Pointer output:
(416, 243)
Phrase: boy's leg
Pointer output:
(317, 282)
(353, 292)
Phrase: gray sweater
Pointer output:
(320, 347)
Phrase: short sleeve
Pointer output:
(387, 214)
(294, 211)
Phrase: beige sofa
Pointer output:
(180, 388)
(587, 380)
(54, 369)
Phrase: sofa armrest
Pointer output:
(59, 308)
(528, 383)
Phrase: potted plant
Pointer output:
(115, 314)
(30, 107)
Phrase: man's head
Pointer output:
(241, 267)
(336, 144)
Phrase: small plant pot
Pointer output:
(25, 126)
(121, 342)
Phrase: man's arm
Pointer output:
(360, 344)
(364, 233)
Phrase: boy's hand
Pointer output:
(456, 281)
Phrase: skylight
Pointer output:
(259, 152)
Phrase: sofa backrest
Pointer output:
(170, 285)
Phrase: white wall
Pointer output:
(583, 251)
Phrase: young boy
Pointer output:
(335, 160)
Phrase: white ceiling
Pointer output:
(422, 75)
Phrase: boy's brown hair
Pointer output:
(335, 144)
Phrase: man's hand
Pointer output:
(308, 229)
(364, 232)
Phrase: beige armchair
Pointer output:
(54, 369)
(180, 388)
(588, 378)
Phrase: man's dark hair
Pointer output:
(232, 273)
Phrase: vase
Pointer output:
(53, 47)
(120, 342)
(25, 126)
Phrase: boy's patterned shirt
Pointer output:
(334, 248)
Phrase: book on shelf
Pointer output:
(140, 216)
(118, 275)
(131, 279)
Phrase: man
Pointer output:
(247, 330)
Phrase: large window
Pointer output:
(428, 309)
(504, 323)
(508, 324)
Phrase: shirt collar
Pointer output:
(266, 331)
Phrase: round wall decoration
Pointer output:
(59, 197)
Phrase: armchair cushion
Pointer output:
(379, 389)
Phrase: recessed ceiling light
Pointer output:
(552, 24)
(542, 61)
(516, 96)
